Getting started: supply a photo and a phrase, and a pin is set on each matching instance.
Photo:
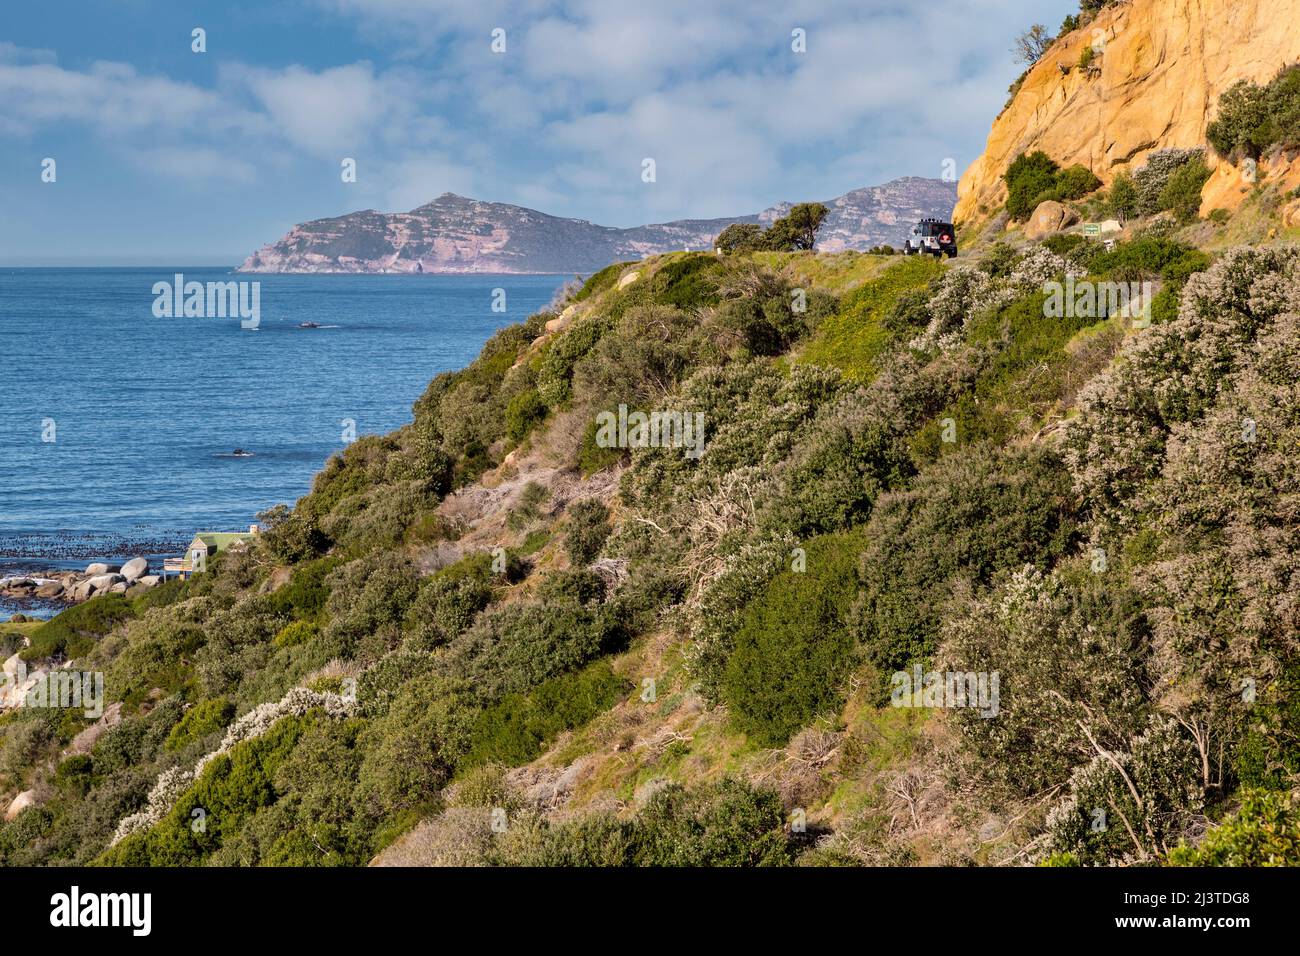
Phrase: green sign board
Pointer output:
(1092, 229)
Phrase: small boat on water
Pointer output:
(240, 453)
(309, 325)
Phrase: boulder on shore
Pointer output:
(98, 568)
(101, 582)
(135, 568)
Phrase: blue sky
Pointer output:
(165, 155)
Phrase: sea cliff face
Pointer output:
(454, 234)
(1155, 84)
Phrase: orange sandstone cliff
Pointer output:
(1155, 84)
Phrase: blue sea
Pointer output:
(117, 428)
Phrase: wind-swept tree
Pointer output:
(797, 229)
(740, 237)
(1032, 44)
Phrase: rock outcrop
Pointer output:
(1049, 217)
(20, 803)
(135, 568)
(1155, 84)
(85, 741)
(72, 587)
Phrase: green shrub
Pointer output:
(75, 774)
(1122, 200)
(10, 643)
(1075, 182)
(519, 727)
(169, 592)
(644, 356)
(727, 823)
(1150, 181)
(368, 601)
(593, 457)
(18, 837)
(600, 281)
(205, 717)
(1251, 119)
(1001, 259)
(514, 647)
(794, 646)
(1182, 193)
(1035, 178)
(74, 631)
(1062, 644)
(576, 586)
(1154, 779)
(1063, 243)
(1027, 178)
(857, 336)
(410, 753)
(909, 314)
(687, 282)
(1149, 257)
(1264, 757)
(555, 376)
(524, 413)
(295, 633)
(975, 513)
(587, 530)
(740, 237)
(305, 595)
(447, 604)
(760, 314)
(1264, 831)
(231, 789)
(296, 536)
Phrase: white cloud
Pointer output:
(198, 164)
(712, 91)
(326, 113)
(415, 181)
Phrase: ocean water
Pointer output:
(144, 412)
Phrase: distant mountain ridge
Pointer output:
(454, 234)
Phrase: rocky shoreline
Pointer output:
(130, 579)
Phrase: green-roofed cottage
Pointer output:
(208, 544)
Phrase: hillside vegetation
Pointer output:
(491, 638)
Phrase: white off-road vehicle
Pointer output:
(932, 236)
